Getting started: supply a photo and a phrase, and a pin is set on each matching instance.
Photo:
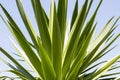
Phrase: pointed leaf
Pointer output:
(73, 73)
(75, 14)
(22, 69)
(73, 40)
(42, 25)
(27, 22)
(46, 63)
(56, 44)
(104, 68)
(62, 16)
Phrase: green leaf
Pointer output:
(27, 23)
(81, 77)
(113, 68)
(21, 69)
(42, 23)
(46, 63)
(25, 57)
(28, 51)
(56, 43)
(75, 14)
(6, 77)
(88, 27)
(104, 68)
(73, 73)
(95, 65)
(100, 36)
(11, 21)
(62, 17)
(110, 74)
(23, 43)
(93, 52)
(73, 40)
(18, 74)
(52, 57)
(102, 52)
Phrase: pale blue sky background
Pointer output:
(108, 9)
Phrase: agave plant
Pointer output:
(50, 55)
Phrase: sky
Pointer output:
(108, 9)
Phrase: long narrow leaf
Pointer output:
(25, 57)
(27, 23)
(62, 15)
(46, 63)
(91, 55)
(75, 14)
(103, 50)
(42, 25)
(80, 57)
(24, 71)
(23, 42)
(56, 44)
(88, 27)
(104, 68)
(18, 74)
(73, 39)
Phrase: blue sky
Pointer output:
(108, 9)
